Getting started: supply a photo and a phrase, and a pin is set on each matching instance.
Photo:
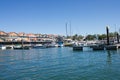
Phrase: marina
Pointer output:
(59, 40)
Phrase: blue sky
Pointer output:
(50, 16)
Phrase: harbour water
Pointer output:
(59, 64)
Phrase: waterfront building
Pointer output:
(21, 34)
(24, 37)
(32, 37)
(38, 37)
(3, 36)
(13, 36)
(1, 40)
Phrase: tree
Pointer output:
(80, 37)
(77, 37)
(74, 37)
(90, 37)
(102, 36)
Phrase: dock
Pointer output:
(98, 47)
(103, 47)
(77, 48)
(112, 47)
(15, 43)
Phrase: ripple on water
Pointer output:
(59, 64)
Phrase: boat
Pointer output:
(82, 47)
(37, 46)
(77, 47)
(20, 47)
(68, 43)
(2, 47)
(60, 44)
(9, 47)
(43, 46)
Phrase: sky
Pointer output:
(50, 16)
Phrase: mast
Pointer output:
(70, 28)
(66, 29)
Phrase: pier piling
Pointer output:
(107, 30)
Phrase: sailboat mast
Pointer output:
(66, 29)
(70, 28)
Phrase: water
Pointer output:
(59, 64)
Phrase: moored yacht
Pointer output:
(2, 47)
(20, 47)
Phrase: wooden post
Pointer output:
(107, 30)
(117, 37)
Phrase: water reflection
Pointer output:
(111, 55)
(109, 58)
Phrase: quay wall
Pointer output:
(14, 43)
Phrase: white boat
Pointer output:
(37, 46)
(82, 46)
(68, 42)
(20, 47)
(2, 47)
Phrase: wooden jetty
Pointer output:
(15, 43)
(96, 47)
(107, 47)
(77, 48)
(112, 47)
(22, 48)
(82, 48)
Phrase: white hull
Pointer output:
(2, 47)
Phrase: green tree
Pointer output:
(77, 37)
(90, 37)
(102, 36)
(80, 37)
(74, 37)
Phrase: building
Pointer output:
(3, 36)
(32, 37)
